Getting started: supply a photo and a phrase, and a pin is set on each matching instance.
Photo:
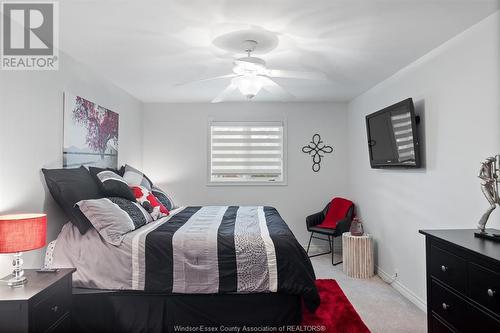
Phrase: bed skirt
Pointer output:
(128, 311)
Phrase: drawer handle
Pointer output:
(491, 292)
(445, 306)
(55, 308)
(444, 268)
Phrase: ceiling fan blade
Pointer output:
(275, 89)
(207, 79)
(225, 93)
(296, 75)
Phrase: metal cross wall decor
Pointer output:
(316, 148)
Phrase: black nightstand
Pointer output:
(43, 304)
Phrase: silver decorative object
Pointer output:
(490, 176)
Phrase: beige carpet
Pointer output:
(381, 307)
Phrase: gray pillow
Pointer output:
(110, 220)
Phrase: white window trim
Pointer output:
(284, 182)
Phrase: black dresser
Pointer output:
(463, 282)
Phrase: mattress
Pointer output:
(194, 250)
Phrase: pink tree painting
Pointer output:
(91, 134)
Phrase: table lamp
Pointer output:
(19, 233)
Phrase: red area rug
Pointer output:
(335, 313)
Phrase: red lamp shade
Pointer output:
(22, 232)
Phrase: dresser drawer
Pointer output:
(448, 268)
(447, 305)
(437, 326)
(484, 287)
(53, 306)
(478, 321)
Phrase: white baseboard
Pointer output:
(403, 290)
(397, 285)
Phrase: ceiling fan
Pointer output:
(250, 75)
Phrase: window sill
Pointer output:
(218, 184)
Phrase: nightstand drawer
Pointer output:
(447, 305)
(484, 286)
(52, 307)
(448, 268)
(62, 326)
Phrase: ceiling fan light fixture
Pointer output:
(249, 85)
(250, 75)
(249, 66)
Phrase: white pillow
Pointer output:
(135, 177)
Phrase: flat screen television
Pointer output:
(393, 137)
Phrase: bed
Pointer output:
(201, 265)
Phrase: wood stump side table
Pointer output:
(357, 255)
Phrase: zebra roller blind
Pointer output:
(246, 152)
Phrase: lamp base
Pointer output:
(13, 281)
(17, 278)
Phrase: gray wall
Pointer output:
(456, 90)
(175, 156)
(31, 137)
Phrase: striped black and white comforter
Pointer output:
(195, 250)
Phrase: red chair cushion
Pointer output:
(339, 207)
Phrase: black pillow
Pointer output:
(121, 171)
(111, 184)
(69, 186)
(138, 214)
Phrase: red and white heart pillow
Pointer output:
(149, 202)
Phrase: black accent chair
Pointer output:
(313, 221)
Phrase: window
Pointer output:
(246, 152)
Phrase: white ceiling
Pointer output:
(147, 46)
